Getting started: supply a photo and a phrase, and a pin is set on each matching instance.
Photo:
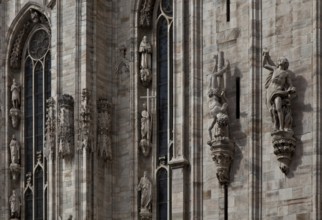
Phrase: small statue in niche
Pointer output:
(14, 202)
(279, 90)
(14, 151)
(146, 127)
(15, 98)
(15, 90)
(145, 50)
(145, 187)
(217, 102)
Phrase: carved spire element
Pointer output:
(104, 121)
(279, 95)
(66, 126)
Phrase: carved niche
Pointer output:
(66, 126)
(14, 147)
(85, 121)
(146, 12)
(50, 128)
(14, 205)
(15, 112)
(145, 187)
(145, 50)
(222, 148)
(279, 95)
(104, 142)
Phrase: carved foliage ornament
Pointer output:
(50, 127)
(35, 18)
(279, 95)
(104, 142)
(85, 121)
(222, 148)
(66, 126)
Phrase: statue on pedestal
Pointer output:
(279, 94)
(14, 202)
(145, 187)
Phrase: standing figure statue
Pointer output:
(146, 127)
(14, 202)
(279, 90)
(145, 186)
(145, 50)
(217, 102)
(14, 150)
(15, 90)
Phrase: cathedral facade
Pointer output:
(160, 109)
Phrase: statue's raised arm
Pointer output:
(267, 61)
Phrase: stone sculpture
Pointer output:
(66, 126)
(16, 102)
(146, 128)
(279, 94)
(50, 127)
(104, 142)
(145, 50)
(15, 157)
(85, 121)
(146, 13)
(222, 148)
(145, 187)
(14, 202)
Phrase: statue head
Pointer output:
(283, 63)
(144, 39)
(214, 93)
(144, 174)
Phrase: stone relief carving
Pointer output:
(66, 126)
(146, 13)
(15, 112)
(146, 131)
(50, 128)
(279, 94)
(15, 204)
(85, 121)
(104, 121)
(14, 158)
(145, 50)
(222, 148)
(145, 187)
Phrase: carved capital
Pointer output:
(66, 126)
(104, 122)
(222, 153)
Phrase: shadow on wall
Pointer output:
(299, 108)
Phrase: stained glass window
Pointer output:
(37, 89)
(164, 103)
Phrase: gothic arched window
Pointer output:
(37, 79)
(164, 104)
